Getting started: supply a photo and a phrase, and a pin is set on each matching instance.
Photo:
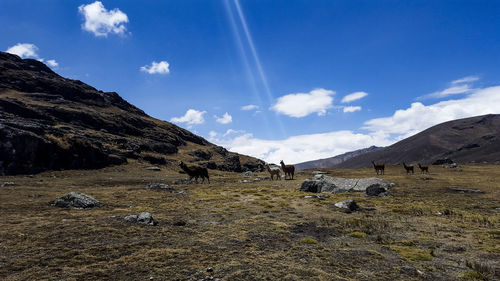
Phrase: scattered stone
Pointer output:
(164, 187)
(411, 271)
(442, 161)
(319, 173)
(185, 181)
(130, 218)
(210, 269)
(248, 174)
(466, 190)
(258, 179)
(451, 166)
(76, 200)
(319, 197)
(244, 181)
(8, 183)
(146, 218)
(348, 205)
(426, 178)
(322, 183)
(376, 190)
(153, 168)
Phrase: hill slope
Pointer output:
(475, 139)
(49, 122)
(333, 161)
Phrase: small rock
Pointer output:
(146, 218)
(9, 183)
(210, 269)
(153, 168)
(244, 181)
(131, 218)
(466, 190)
(248, 174)
(164, 187)
(376, 191)
(450, 166)
(76, 200)
(348, 205)
(319, 173)
(319, 196)
(410, 271)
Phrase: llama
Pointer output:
(287, 169)
(274, 171)
(379, 167)
(408, 168)
(195, 172)
(423, 169)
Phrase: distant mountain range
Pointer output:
(334, 161)
(474, 139)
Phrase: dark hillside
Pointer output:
(474, 139)
(50, 122)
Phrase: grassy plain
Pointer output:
(262, 230)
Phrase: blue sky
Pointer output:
(291, 80)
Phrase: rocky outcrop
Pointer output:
(76, 200)
(322, 183)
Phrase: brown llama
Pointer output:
(195, 172)
(379, 167)
(423, 169)
(408, 168)
(287, 169)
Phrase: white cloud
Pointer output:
(24, 50)
(232, 132)
(27, 50)
(161, 67)
(354, 96)
(52, 63)
(301, 148)
(302, 104)
(351, 108)
(212, 134)
(250, 107)
(456, 87)
(225, 119)
(379, 131)
(418, 117)
(467, 79)
(192, 117)
(102, 22)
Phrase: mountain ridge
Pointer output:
(473, 139)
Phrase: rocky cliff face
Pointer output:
(51, 122)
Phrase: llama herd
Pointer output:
(289, 170)
(380, 167)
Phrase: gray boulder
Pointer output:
(348, 205)
(76, 200)
(146, 218)
(376, 190)
(322, 183)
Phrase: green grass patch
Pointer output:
(412, 253)
(358, 234)
(308, 240)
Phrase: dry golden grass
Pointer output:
(262, 230)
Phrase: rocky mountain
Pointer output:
(336, 160)
(48, 122)
(475, 139)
